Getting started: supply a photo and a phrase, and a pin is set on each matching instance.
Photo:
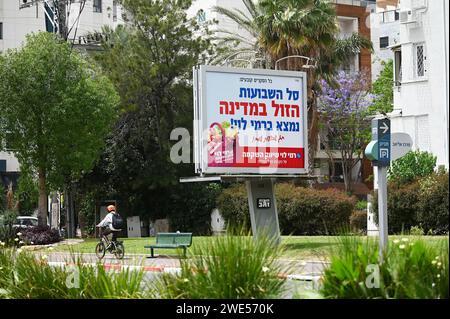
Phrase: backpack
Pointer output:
(117, 221)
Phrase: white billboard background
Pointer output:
(266, 107)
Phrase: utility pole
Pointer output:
(55, 13)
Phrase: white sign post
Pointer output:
(384, 148)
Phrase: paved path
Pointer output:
(163, 262)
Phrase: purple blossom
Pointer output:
(347, 95)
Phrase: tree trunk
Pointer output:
(42, 214)
(347, 172)
(62, 23)
(313, 136)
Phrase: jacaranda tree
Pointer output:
(343, 109)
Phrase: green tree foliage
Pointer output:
(55, 109)
(383, 89)
(27, 194)
(150, 62)
(413, 165)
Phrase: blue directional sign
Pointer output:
(381, 135)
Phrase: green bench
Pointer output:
(171, 241)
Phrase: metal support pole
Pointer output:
(382, 209)
(264, 220)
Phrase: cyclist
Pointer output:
(106, 225)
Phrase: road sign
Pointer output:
(380, 150)
(401, 143)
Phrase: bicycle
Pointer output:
(114, 247)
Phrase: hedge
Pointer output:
(358, 221)
(301, 211)
(423, 203)
(40, 235)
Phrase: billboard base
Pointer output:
(263, 209)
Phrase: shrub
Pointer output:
(433, 203)
(402, 207)
(233, 205)
(423, 202)
(40, 235)
(228, 267)
(23, 276)
(7, 231)
(301, 210)
(410, 270)
(416, 231)
(361, 205)
(190, 207)
(412, 166)
(309, 211)
(358, 221)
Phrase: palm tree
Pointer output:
(281, 28)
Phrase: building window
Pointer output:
(2, 165)
(384, 42)
(97, 5)
(398, 67)
(1, 30)
(201, 16)
(419, 59)
(115, 10)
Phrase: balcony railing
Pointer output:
(389, 16)
(358, 3)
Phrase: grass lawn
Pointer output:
(297, 247)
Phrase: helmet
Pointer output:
(111, 208)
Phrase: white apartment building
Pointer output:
(35, 16)
(384, 33)
(421, 88)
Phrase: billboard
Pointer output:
(249, 121)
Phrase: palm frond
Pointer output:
(238, 17)
(352, 45)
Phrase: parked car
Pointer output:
(25, 222)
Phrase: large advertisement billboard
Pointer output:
(249, 121)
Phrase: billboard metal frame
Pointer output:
(200, 121)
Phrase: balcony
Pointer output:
(357, 3)
(389, 16)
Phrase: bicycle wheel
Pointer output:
(119, 251)
(100, 250)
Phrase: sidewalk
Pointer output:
(69, 242)
(308, 270)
